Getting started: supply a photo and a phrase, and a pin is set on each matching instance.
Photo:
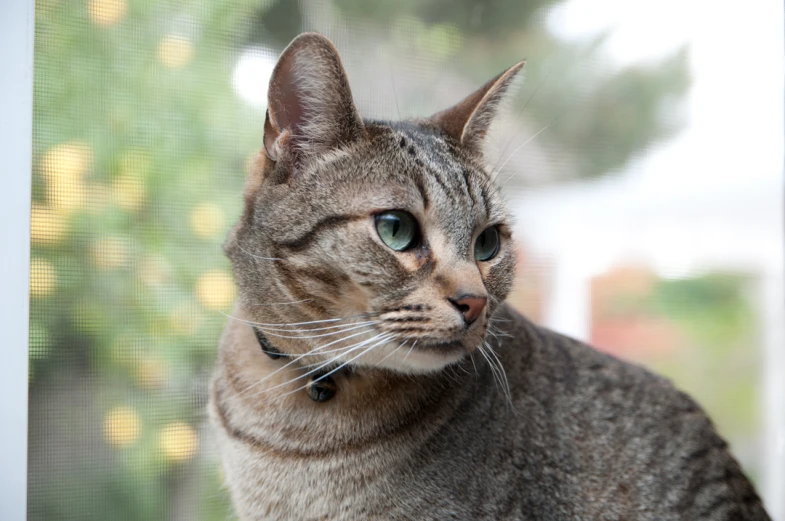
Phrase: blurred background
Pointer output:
(642, 157)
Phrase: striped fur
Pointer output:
(424, 424)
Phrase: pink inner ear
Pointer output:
(310, 108)
(286, 107)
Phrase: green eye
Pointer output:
(487, 245)
(397, 229)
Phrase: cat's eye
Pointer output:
(397, 229)
(487, 245)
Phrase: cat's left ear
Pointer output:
(468, 121)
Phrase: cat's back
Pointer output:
(605, 439)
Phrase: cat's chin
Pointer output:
(420, 360)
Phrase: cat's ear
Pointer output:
(468, 121)
(310, 108)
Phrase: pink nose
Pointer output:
(469, 306)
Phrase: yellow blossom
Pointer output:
(178, 441)
(106, 12)
(175, 51)
(129, 191)
(43, 278)
(64, 167)
(47, 227)
(215, 289)
(207, 220)
(122, 426)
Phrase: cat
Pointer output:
(356, 380)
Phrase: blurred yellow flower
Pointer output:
(129, 191)
(178, 441)
(151, 372)
(106, 12)
(122, 426)
(175, 51)
(64, 167)
(215, 289)
(207, 220)
(43, 278)
(46, 226)
(110, 253)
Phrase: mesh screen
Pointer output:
(147, 115)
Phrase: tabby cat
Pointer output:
(357, 379)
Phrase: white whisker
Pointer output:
(393, 351)
(410, 350)
(502, 372)
(493, 176)
(321, 335)
(360, 345)
(327, 328)
(327, 320)
(542, 82)
(314, 351)
(322, 377)
(282, 303)
(259, 256)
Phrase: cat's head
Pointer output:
(381, 243)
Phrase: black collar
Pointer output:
(321, 386)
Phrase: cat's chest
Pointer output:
(282, 487)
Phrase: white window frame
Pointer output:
(17, 29)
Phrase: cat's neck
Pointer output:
(266, 399)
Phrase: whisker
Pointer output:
(410, 350)
(259, 256)
(282, 303)
(322, 377)
(327, 328)
(316, 350)
(493, 176)
(327, 320)
(481, 349)
(393, 351)
(395, 93)
(503, 373)
(321, 335)
(542, 82)
(471, 357)
(325, 364)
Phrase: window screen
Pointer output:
(641, 157)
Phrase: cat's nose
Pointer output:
(469, 306)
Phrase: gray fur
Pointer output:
(425, 424)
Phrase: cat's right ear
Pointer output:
(468, 121)
(310, 109)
